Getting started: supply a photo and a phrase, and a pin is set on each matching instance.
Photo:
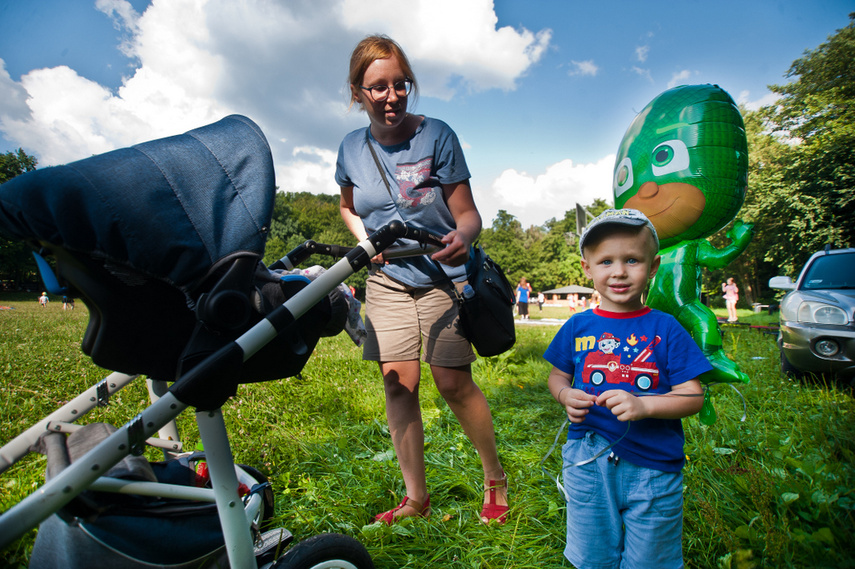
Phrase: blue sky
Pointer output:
(539, 91)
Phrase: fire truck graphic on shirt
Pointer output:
(605, 366)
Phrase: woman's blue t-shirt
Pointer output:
(416, 169)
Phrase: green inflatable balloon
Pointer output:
(683, 162)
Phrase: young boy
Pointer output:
(625, 375)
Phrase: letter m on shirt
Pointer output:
(585, 343)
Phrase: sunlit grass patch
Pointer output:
(774, 490)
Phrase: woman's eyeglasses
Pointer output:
(381, 92)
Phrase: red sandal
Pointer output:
(492, 510)
(423, 510)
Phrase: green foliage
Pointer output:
(774, 490)
(300, 216)
(810, 200)
(15, 163)
(801, 183)
(545, 255)
(16, 261)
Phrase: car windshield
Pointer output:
(831, 272)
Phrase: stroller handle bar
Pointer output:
(211, 383)
(425, 244)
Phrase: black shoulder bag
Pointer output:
(486, 306)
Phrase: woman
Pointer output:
(409, 302)
(523, 293)
(731, 296)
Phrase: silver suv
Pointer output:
(817, 332)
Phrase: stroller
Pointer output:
(163, 242)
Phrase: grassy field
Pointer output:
(774, 490)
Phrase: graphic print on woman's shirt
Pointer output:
(409, 178)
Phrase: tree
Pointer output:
(15, 163)
(801, 170)
(816, 115)
(16, 260)
(300, 216)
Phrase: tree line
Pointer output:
(800, 193)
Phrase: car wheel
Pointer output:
(788, 369)
(598, 377)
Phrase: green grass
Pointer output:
(774, 490)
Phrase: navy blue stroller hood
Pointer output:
(163, 241)
(172, 208)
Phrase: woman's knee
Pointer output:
(456, 386)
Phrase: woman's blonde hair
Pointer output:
(371, 49)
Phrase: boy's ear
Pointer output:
(586, 268)
(654, 266)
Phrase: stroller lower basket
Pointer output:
(193, 539)
(131, 532)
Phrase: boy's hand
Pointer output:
(577, 404)
(624, 405)
(683, 400)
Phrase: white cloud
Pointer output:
(641, 72)
(454, 43)
(124, 18)
(311, 170)
(680, 78)
(534, 199)
(641, 52)
(744, 99)
(13, 96)
(584, 68)
(283, 64)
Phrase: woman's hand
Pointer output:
(460, 203)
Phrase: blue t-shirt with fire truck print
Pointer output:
(643, 352)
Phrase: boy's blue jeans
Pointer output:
(620, 515)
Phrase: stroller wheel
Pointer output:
(326, 551)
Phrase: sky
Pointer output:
(540, 92)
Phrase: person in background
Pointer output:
(523, 294)
(43, 300)
(731, 297)
(624, 456)
(541, 298)
(410, 307)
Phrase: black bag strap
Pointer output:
(382, 171)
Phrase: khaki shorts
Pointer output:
(401, 319)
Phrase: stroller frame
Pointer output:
(206, 386)
(87, 473)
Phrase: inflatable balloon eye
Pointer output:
(683, 162)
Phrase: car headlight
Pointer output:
(821, 313)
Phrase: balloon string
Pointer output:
(610, 446)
